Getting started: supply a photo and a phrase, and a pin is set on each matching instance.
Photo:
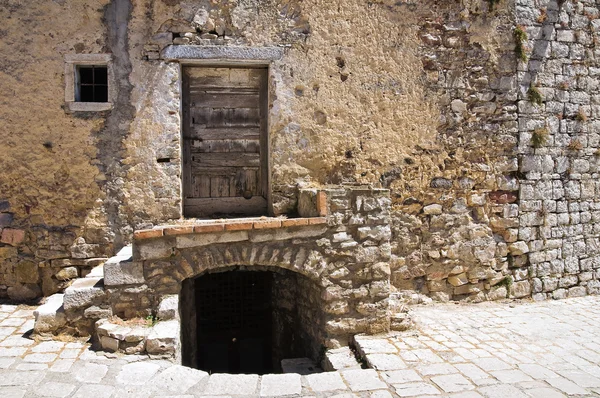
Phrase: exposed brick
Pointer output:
(148, 234)
(294, 222)
(322, 203)
(263, 224)
(209, 228)
(12, 236)
(179, 230)
(238, 226)
(317, 220)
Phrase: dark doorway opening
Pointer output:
(234, 322)
(248, 321)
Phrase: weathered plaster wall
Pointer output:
(49, 175)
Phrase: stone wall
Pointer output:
(559, 148)
(455, 201)
(341, 261)
(427, 99)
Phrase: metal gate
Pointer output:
(234, 325)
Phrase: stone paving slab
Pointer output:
(490, 350)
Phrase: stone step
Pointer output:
(160, 339)
(121, 270)
(84, 293)
(96, 272)
(340, 359)
(50, 316)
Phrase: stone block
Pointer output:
(50, 316)
(164, 338)
(363, 380)
(6, 219)
(168, 308)
(154, 249)
(518, 248)
(328, 381)
(95, 312)
(183, 242)
(222, 52)
(308, 231)
(109, 344)
(119, 273)
(307, 203)
(372, 345)
(458, 280)
(8, 252)
(27, 272)
(81, 249)
(66, 274)
(385, 362)
(231, 384)
(378, 233)
(84, 292)
(521, 289)
(178, 379)
(23, 292)
(12, 237)
(577, 291)
(338, 359)
(280, 385)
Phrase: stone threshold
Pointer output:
(235, 224)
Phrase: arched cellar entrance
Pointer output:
(247, 321)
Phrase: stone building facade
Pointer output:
(480, 117)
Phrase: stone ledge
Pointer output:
(184, 52)
(227, 225)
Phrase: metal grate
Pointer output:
(233, 303)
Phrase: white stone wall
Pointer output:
(559, 197)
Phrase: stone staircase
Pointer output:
(84, 309)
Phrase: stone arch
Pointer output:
(295, 326)
(165, 276)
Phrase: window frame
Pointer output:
(72, 62)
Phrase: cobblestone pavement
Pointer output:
(548, 349)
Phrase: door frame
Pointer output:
(266, 157)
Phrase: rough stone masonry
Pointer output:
(479, 116)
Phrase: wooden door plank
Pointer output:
(219, 187)
(201, 186)
(198, 132)
(194, 90)
(263, 178)
(221, 171)
(225, 206)
(224, 100)
(226, 159)
(225, 117)
(221, 146)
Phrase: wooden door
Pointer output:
(225, 159)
